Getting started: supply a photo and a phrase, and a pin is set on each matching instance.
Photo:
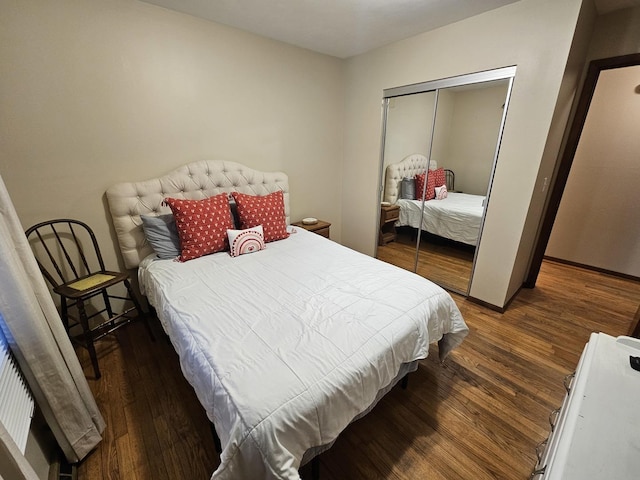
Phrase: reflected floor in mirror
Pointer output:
(446, 263)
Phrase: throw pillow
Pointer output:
(441, 192)
(202, 225)
(439, 177)
(162, 234)
(408, 188)
(430, 191)
(245, 241)
(266, 210)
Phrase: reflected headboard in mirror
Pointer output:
(408, 167)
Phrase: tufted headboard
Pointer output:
(127, 201)
(407, 167)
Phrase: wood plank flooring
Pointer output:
(478, 416)
(444, 262)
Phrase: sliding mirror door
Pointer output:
(441, 232)
(409, 126)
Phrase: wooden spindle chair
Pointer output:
(69, 258)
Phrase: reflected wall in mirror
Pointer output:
(455, 130)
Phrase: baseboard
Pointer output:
(594, 269)
(487, 304)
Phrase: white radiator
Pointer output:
(16, 401)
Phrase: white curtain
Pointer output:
(40, 343)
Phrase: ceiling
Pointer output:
(344, 28)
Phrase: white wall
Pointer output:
(598, 222)
(536, 36)
(97, 92)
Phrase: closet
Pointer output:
(442, 132)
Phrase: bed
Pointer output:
(285, 346)
(457, 217)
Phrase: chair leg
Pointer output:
(107, 305)
(88, 338)
(64, 313)
(141, 314)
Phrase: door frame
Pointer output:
(568, 154)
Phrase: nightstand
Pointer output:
(389, 214)
(321, 228)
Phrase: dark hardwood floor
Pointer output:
(478, 416)
(443, 261)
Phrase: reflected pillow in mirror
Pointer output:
(162, 234)
(441, 192)
(430, 189)
(439, 177)
(408, 188)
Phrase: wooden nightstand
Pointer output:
(388, 216)
(321, 228)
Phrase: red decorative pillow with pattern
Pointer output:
(439, 178)
(435, 179)
(202, 225)
(266, 210)
(431, 187)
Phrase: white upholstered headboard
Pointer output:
(127, 201)
(407, 167)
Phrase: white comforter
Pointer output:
(456, 217)
(284, 347)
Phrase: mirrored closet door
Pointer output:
(439, 148)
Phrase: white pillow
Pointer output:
(441, 192)
(245, 241)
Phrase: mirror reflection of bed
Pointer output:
(457, 127)
(447, 226)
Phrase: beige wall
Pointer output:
(95, 93)
(598, 222)
(617, 33)
(614, 34)
(409, 122)
(473, 136)
(536, 36)
(98, 92)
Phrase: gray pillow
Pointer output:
(408, 188)
(162, 234)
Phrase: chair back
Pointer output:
(65, 250)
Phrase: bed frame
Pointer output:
(193, 181)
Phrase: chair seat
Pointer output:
(90, 284)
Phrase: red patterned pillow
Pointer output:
(431, 186)
(202, 225)
(266, 210)
(439, 177)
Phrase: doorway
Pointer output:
(568, 155)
